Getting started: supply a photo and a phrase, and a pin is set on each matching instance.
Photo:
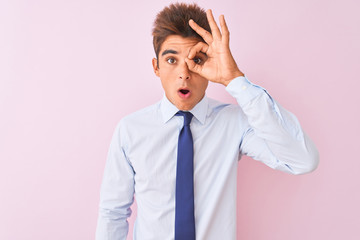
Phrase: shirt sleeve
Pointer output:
(117, 191)
(273, 135)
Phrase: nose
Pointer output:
(184, 73)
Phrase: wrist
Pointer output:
(236, 74)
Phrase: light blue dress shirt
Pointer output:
(143, 153)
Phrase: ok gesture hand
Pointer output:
(220, 67)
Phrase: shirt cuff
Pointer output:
(243, 90)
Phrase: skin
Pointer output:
(187, 63)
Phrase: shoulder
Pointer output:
(140, 117)
(227, 111)
(216, 106)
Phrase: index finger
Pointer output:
(202, 32)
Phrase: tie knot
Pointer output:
(187, 117)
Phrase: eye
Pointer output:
(171, 60)
(198, 60)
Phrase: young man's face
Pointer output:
(182, 87)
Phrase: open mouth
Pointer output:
(184, 93)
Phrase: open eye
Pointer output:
(171, 60)
(197, 60)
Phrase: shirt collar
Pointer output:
(168, 110)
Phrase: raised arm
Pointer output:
(117, 191)
(274, 135)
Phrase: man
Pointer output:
(179, 156)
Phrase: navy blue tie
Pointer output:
(184, 196)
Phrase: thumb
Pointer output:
(196, 68)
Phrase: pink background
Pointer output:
(69, 70)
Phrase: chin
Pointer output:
(184, 104)
(185, 107)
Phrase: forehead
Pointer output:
(178, 43)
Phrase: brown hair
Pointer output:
(174, 20)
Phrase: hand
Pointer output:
(220, 66)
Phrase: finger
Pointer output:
(214, 27)
(199, 47)
(224, 30)
(202, 32)
(196, 68)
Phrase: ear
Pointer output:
(155, 67)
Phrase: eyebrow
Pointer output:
(203, 53)
(167, 51)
